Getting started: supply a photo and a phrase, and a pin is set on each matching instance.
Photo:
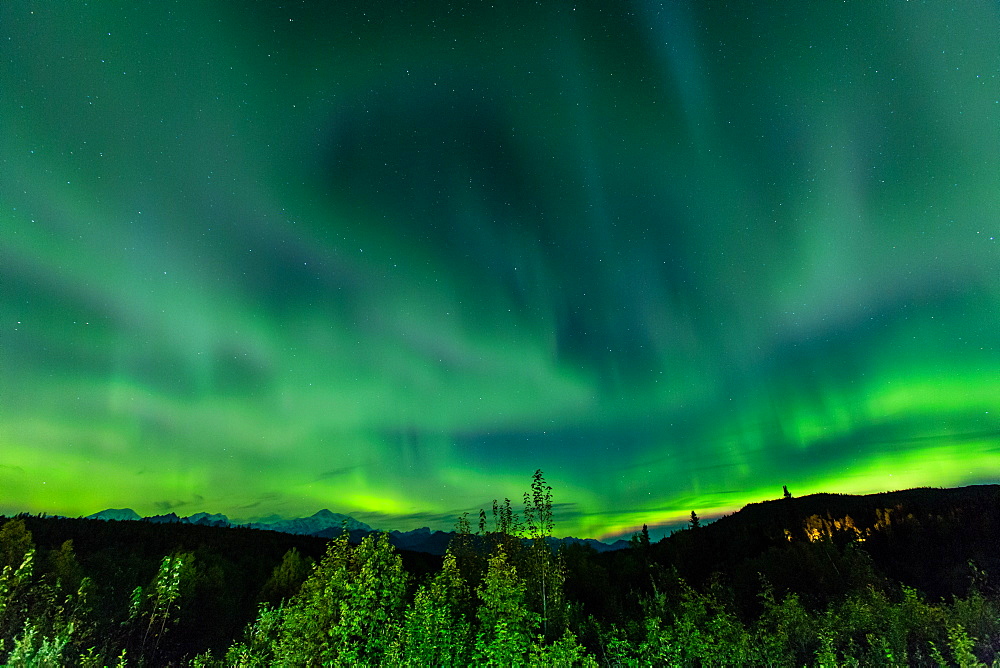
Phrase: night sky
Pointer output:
(389, 258)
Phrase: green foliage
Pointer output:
(259, 647)
(691, 627)
(506, 624)
(51, 622)
(563, 653)
(505, 520)
(938, 657)
(436, 633)
(17, 566)
(615, 650)
(64, 567)
(315, 610)
(203, 660)
(538, 508)
(13, 585)
(464, 548)
(961, 646)
(15, 542)
(826, 654)
(34, 649)
(923, 621)
(348, 612)
(462, 525)
(979, 617)
(372, 608)
(706, 629)
(544, 573)
(287, 577)
(160, 609)
(785, 631)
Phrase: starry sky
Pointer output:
(390, 258)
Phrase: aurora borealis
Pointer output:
(390, 258)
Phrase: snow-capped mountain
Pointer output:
(323, 520)
(214, 520)
(115, 514)
(320, 521)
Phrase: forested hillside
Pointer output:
(902, 578)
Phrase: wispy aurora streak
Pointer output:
(391, 259)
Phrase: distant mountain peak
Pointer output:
(216, 519)
(319, 521)
(325, 523)
(115, 514)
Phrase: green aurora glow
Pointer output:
(391, 259)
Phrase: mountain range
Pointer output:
(327, 524)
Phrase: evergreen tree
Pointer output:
(640, 540)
